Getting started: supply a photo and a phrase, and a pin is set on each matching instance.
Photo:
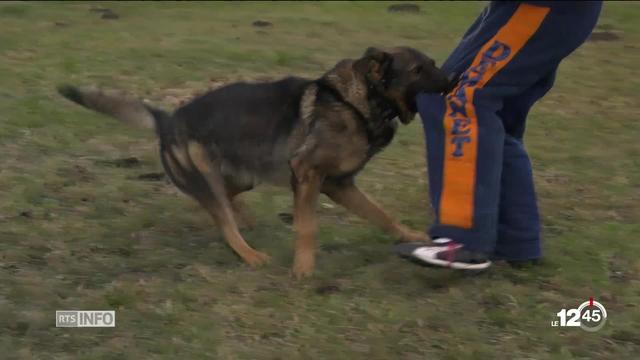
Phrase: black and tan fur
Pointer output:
(312, 135)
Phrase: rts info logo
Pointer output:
(77, 318)
(590, 316)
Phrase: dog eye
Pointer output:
(417, 69)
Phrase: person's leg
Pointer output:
(433, 107)
(519, 220)
(516, 109)
(465, 134)
(465, 177)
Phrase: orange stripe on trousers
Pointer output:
(459, 173)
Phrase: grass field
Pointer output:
(83, 224)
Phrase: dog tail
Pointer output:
(129, 110)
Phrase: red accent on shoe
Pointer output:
(451, 248)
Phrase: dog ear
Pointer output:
(351, 78)
(374, 64)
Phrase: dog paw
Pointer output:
(303, 266)
(256, 259)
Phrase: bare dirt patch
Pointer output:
(405, 8)
(603, 36)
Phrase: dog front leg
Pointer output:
(347, 194)
(306, 189)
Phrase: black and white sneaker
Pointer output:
(443, 252)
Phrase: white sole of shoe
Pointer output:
(428, 255)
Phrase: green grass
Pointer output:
(77, 232)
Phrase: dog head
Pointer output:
(398, 75)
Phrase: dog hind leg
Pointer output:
(197, 174)
(240, 209)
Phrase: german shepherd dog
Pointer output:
(311, 135)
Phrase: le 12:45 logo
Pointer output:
(590, 316)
